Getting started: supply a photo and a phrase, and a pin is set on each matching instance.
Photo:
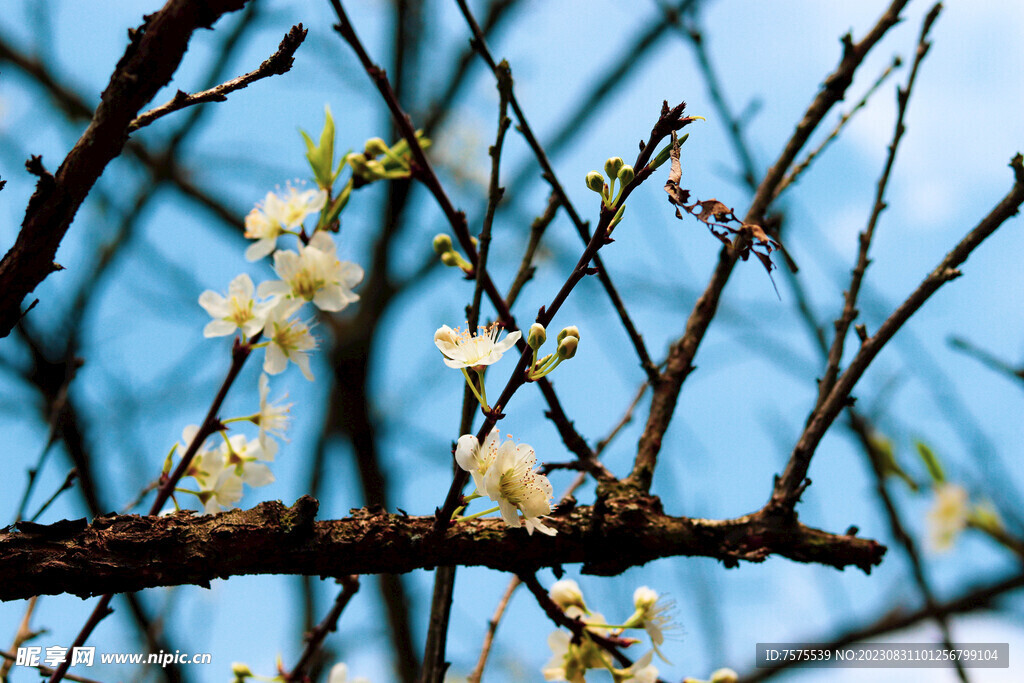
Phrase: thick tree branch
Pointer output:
(153, 55)
(127, 552)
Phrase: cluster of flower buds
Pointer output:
(571, 658)
(568, 340)
(380, 161)
(619, 171)
(444, 248)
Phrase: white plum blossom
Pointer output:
(642, 671)
(276, 215)
(474, 459)
(264, 229)
(273, 418)
(461, 349)
(569, 662)
(512, 481)
(565, 664)
(236, 311)
(566, 593)
(288, 340)
(293, 208)
(505, 473)
(314, 274)
(241, 456)
(219, 486)
(195, 466)
(948, 515)
(653, 615)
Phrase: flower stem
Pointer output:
(478, 514)
(472, 387)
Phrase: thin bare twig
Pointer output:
(849, 312)
(681, 355)
(480, 43)
(424, 172)
(799, 168)
(791, 483)
(526, 268)
(10, 657)
(434, 665)
(315, 638)
(276, 64)
(987, 358)
(492, 627)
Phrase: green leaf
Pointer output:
(931, 462)
(321, 157)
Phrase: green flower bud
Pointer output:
(612, 166)
(567, 347)
(376, 146)
(538, 335)
(376, 169)
(241, 672)
(626, 175)
(595, 181)
(450, 258)
(442, 244)
(569, 331)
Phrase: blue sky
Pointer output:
(738, 413)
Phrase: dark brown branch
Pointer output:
(153, 54)
(128, 553)
(681, 355)
(315, 638)
(850, 313)
(275, 65)
(789, 485)
(501, 71)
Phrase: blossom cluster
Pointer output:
(571, 660)
(506, 473)
(220, 471)
(312, 273)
